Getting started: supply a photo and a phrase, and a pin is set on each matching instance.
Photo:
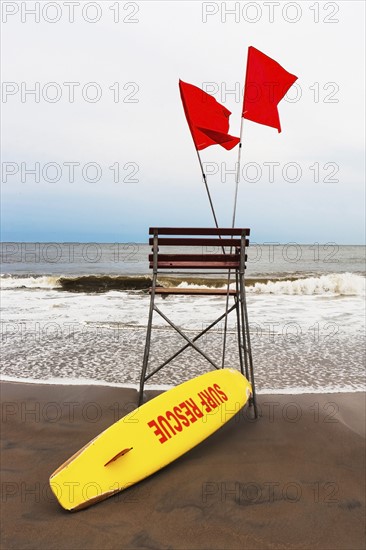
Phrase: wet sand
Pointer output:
(294, 479)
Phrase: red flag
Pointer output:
(266, 83)
(207, 119)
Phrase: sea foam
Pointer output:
(29, 281)
(336, 284)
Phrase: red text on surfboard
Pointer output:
(184, 414)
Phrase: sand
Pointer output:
(294, 479)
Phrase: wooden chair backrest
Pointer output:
(200, 237)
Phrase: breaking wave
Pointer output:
(83, 283)
(337, 284)
(29, 281)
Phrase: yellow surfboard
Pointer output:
(149, 438)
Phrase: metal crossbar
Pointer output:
(190, 342)
(172, 357)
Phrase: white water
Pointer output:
(41, 282)
(336, 284)
(301, 342)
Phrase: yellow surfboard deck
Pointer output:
(149, 438)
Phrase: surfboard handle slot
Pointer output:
(118, 455)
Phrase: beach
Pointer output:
(293, 479)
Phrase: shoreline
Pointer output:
(293, 479)
(164, 387)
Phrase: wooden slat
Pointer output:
(196, 261)
(198, 242)
(199, 231)
(196, 265)
(196, 257)
(195, 291)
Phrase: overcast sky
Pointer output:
(112, 153)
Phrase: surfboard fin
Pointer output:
(118, 455)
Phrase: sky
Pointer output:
(96, 148)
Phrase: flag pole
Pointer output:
(237, 179)
(240, 143)
(207, 189)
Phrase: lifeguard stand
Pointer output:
(232, 242)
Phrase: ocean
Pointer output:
(77, 313)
